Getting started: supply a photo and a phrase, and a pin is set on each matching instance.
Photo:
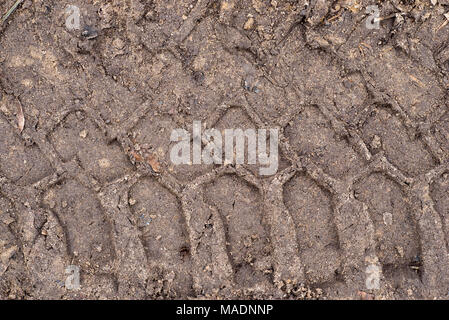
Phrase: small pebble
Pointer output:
(83, 134)
(388, 218)
(249, 24)
(118, 43)
(376, 142)
(89, 33)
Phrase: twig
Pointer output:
(11, 10)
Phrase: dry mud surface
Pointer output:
(362, 187)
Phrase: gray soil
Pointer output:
(363, 176)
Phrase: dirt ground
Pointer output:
(362, 190)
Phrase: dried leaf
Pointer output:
(137, 156)
(11, 10)
(155, 165)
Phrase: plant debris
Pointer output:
(11, 10)
(20, 118)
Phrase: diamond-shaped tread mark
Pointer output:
(311, 210)
(310, 133)
(21, 164)
(113, 102)
(384, 131)
(184, 93)
(416, 90)
(157, 214)
(247, 235)
(41, 74)
(160, 20)
(236, 118)
(79, 137)
(152, 136)
(328, 86)
(133, 67)
(268, 100)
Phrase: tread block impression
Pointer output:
(311, 209)
(396, 231)
(157, 214)
(13, 278)
(87, 230)
(247, 234)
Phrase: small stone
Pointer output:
(104, 163)
(376, 142)
(83, 134)
(388, 218)
(400, 251)
(89, 33)
(132, 201)
(118, 43)
(7, 219)
(249, 24)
